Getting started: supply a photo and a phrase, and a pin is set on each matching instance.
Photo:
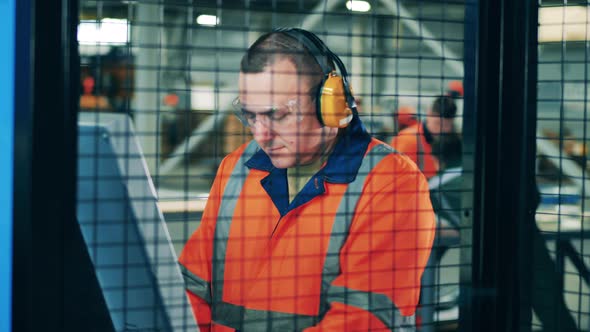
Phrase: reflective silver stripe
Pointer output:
(245, 320)
(377, 304)
(225, 215)
(196, 284)
(228, 314)
(343, 219)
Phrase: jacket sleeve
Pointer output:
(383, 258)
(195, 258)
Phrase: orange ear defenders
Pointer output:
(335, 103)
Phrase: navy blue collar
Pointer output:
(344, 161)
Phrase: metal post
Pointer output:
(147, 40)
(44, 199)
(501, 111)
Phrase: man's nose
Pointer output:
(262, 131)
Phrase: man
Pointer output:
(313, 225)
(417, 141)
(405, 116)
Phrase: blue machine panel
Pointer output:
(7, 31)
(124, 231)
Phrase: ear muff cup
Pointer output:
(331, 106)
(335, 104)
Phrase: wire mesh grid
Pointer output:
(561, 298)
(159, 78)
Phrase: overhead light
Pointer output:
(105, 31)
(210, 20)
(358, 6)
(564, 23)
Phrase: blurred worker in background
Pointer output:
(448, 149)
(455, 89)
(314, 225)
(89, 101)
(417, 140)
(405, 116)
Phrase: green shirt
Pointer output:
(298, 176)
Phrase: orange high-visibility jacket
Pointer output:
(346, 254)
(412, 142)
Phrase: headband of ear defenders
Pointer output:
(322, 53)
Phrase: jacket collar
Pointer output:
(344, 161)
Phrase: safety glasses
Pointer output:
(275, 116)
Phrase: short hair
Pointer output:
(274, 46)
(444, 106)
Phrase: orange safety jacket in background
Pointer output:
(347, 253)
(412, 142)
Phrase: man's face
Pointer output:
(282, 116)
(438, 125)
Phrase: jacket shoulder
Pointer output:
(395, 163)
(229, 162)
